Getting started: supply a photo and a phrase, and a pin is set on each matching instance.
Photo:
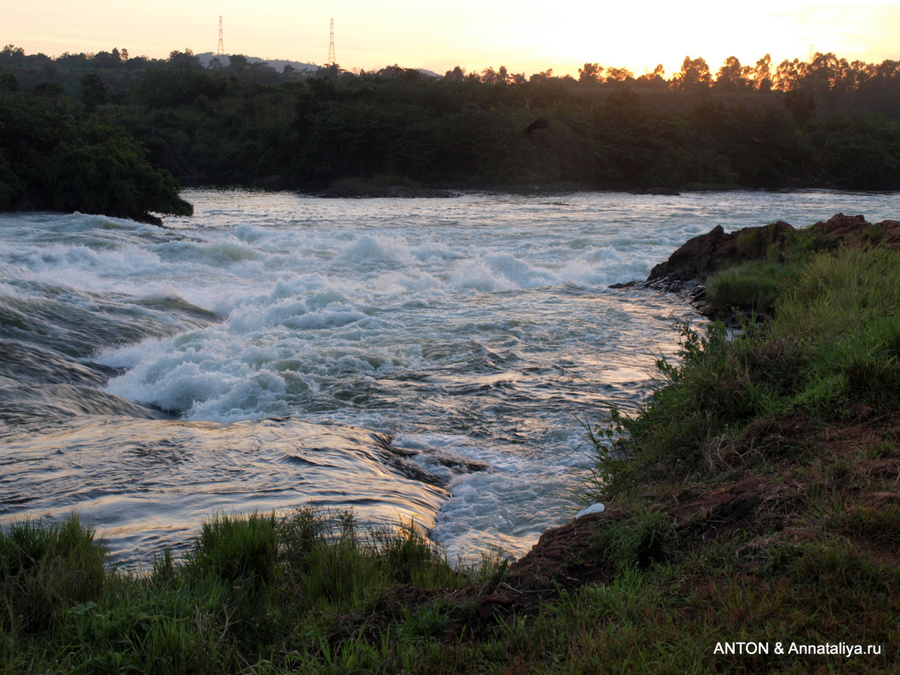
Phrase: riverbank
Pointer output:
(752, 523)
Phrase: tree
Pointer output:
(8, 82)
(825, 73)
(655, 79)
(801, 105)
(762, 74)
(694, 75)
(93, 91)
(12, 52)
(542, 76)
(185, 59)
(730, 76)
(457, 74)
(590, 74)
(108, 59)
(787, 75)
(619, 76)
(238, 64)
(48, 90)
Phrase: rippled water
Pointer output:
(424, 359)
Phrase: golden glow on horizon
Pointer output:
(527, 36)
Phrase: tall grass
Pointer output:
(838, 294)
(252, 590)
(755, 286)
(834, 339)
(45, 568)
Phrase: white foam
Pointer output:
(378, 248)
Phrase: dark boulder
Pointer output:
(701, 256)
(855, 230)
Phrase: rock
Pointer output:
(699, 257)
(593, 508)
(855, 230)
(363, 190)
(149, 219)
(657, 191)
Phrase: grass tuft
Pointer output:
(44, 568)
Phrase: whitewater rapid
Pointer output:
(425, 360)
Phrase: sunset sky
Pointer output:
(526, 36)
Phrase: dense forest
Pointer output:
(821, 123)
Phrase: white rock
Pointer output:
(593, 508)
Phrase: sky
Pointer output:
(526, 36)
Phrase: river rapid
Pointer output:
(414, 360)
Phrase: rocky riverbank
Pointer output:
(687, 270)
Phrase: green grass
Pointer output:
(755, 286)
(44, 569)
(833, 341)
(253, 590)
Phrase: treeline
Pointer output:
(52, 159)
(822, 123)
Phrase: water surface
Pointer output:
(425, 360)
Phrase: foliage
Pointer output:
(822, 123)
(52, 159)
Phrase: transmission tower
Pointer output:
(332, 59)
(220, 50)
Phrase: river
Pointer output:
(414, 360)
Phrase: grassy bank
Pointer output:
(752, 524)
